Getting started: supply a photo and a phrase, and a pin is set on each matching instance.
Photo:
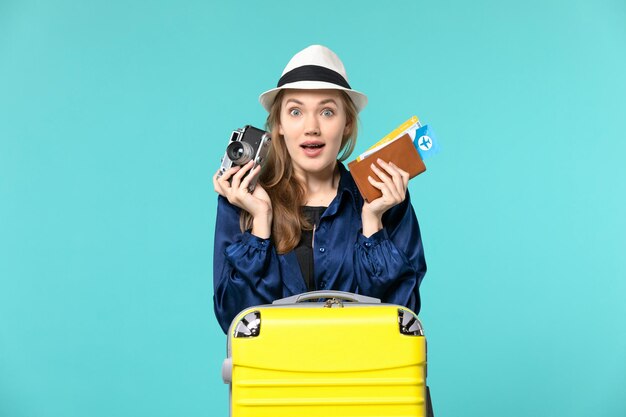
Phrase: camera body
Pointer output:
(245, 145)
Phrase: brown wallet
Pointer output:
(401, 152)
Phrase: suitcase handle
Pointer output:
(314, 295)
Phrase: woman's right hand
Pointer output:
(234, 187)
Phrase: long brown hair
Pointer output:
(286, 192)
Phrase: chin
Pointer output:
(315, 167)
(321, 167)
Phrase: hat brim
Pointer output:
(267, 98)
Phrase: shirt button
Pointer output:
(322, 284)
(368, 244)
(322, 250)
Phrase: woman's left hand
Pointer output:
(392, 183)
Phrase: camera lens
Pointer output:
(240, 152)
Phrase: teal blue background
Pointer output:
(113, 117)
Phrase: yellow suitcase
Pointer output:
(347, 356)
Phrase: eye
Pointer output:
(328, 112)
(295, 112)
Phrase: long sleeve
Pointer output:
(245, 267)
(390, 264)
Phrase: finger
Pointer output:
(220, 180)
(405, 181)
(236, 183)
(216, 185)
(400, 179)
(390, 186)
(225, 177)
(402, 172)
(253, 174)
(395, 174)
(387, 195)
(377, 184)
(380, 173)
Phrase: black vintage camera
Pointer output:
(245, 145)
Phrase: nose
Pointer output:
(312, 127)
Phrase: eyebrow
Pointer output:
(295, 101)
(326, 101)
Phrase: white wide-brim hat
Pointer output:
(314, 68)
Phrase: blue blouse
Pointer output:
(388, 265)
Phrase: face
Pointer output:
(313, 123)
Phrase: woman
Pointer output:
(305, 226)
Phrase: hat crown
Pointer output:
(314, 68)
(317, 55)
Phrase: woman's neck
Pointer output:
(320, 187)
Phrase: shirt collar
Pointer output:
(347, 189)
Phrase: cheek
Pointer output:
(291, 128)
(340, 128)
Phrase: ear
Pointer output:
(280, 130)
(347, 130)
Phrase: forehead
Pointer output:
(312, 96)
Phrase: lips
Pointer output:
(312, 144)
(312, 147)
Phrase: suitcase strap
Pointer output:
(339, 295)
